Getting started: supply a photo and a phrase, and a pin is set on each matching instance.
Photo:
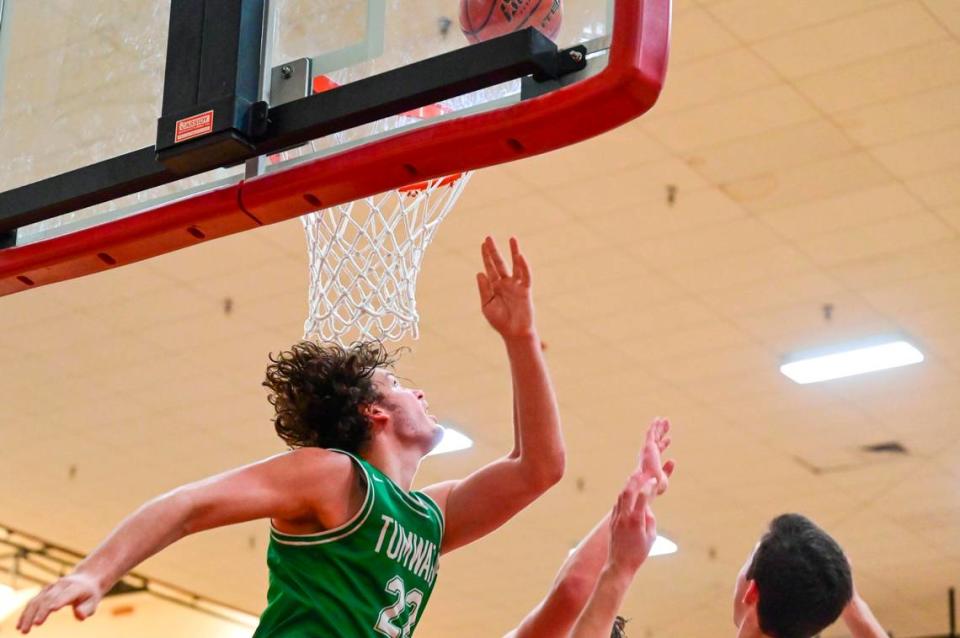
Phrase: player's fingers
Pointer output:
(57, 599)
(643, 494)
(488, 264)
(628, 495)
(669, 467)
(27, 613)
(650, 523)
(521, 269)
(85, 609)
(496, 259)
(26, 618)
(486, 290)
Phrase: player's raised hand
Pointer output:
(78, 590)
(633, 527)
(655, 444)
(505, 295)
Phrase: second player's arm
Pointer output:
(578, 577)
(571, 589)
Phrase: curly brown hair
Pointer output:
(319, 392)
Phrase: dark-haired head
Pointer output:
(320, 393)
(797, 581)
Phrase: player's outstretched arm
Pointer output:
(488, 498)
(576, 580)
(859, 619)
(272, 488)
(633, 529)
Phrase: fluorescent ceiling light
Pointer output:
(857, 359)
(663, 546)
(452, 441)
(11, 600)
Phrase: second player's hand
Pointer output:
(505, 296)
(655, 444)
(633, 527)
(78, 590)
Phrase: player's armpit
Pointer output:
(479, 504)
(308, 483)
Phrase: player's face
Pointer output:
(740, 589)
(410, 420)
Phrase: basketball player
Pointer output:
(353, 550)
(590, 586)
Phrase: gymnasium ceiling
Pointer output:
(812, 146)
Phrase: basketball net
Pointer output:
(365, 255)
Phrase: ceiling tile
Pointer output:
(939, 189)
(929, 259)
(921, 154)
(752, 21)
(849, 210)
(812, 285)
(865, 34)
(704, 81)
(647, 182)
(747, 115)
(786, 147)
(951, 216)
(870, 240)
(884, 77)
(896, 119)
(707, 242)
(628, 146)
(695, 34)
(791, 187)
(689, 210)
(804, 326)
(768, 263)
(947, 13)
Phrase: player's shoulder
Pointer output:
(318, 457)
(312, 463)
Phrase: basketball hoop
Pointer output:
(365, 255)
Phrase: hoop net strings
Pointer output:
(364, 258)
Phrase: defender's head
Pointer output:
(335, 397)
(795, 583)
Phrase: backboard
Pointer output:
(82, 81)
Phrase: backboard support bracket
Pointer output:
(212, 110)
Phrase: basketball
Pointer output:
(482, 20)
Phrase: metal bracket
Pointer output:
(291, 81)
(573, 59)
(573, 65)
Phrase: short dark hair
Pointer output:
(319, 392)
(802, 577)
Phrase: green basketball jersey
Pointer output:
(372, 576)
